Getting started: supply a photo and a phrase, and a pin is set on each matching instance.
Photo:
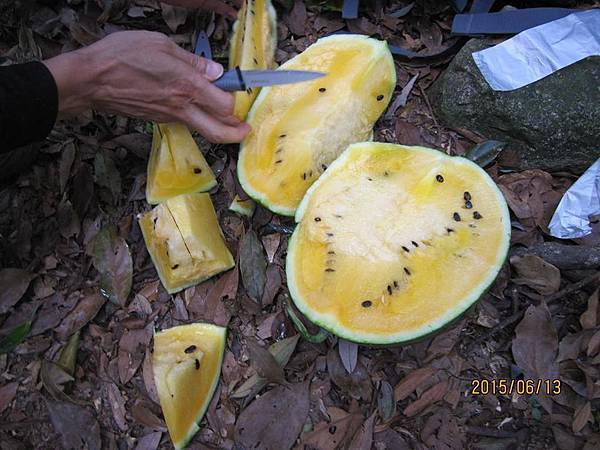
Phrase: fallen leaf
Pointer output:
(582, 416)
(484, 153)
(148, 375)
(144, 416)
(106, 174)
(15, 337)
(112, 258)
(149, 441)
(51, 313)
(253, 265)
(117, 404)
(86, 310)
(275, 419)
(75, 425)
(589, 318)
(174, 16)
(271, 244)
(407, 133)
(363, 439)
(536, 273)
(282, 352)
(265, 363)
(64, 167)
(429, 397)
(68, 221)
(53, 377)
(388, 439)
(565, 440)
(82, 189)
(386, 404)
(402, 98)
(13, 284)
(68, 355)
(8, 392)
(296, 19)
(132, 347)
(348, 354)
(534, 347)
(356, 384)
(333, 434)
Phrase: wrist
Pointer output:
(73, 74)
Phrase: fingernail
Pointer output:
(213, 70)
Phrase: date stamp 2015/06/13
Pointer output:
(506, 386)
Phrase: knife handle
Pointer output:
(231, 80)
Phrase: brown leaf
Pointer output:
(589, 319)
(272, 286)
(275, 419)
(86, 310)
(68, 221)
(265, 363)
(148, 375)
(332, 434)
(51, 313)
(535, 345)
(117, 404)
(66, 161)
(357, 384)
(582, 415)
(8, 392)
(253, 265)
(213, 309)
(75, 425)
(444, 342)
(143, 415)
(149, 441)
(173, 16)
(536, 273)
(363, 439)
(296, 19)
(13, 284)
(386, 404)
(411, 382)
(132, 346)
(429, 397)
(82, 189)
(407, 133)
(594, 344)
(271, 244)
(565, 440)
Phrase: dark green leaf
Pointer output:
(314, 338)
(16, 336)
(68, 355)
(253, 265)
(485, 152)
(111, 257)
(385, 401)
(106, 174)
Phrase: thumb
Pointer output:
(210, 69)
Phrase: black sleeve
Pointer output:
(28, 104)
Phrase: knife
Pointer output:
(242, 80)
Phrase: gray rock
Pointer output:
(553, 123)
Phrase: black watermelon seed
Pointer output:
(329, 270)
(175, 267)
(249, 90)
(310, 173)
(405, 249)
(369, 178)
(323, 166)
(338, 216)
(322, 89)
(255, 61)
(395, 284)
(197, 364)
(389, 289)
(476, 215)
(197, 170)
(450, 230)
(379, 97)
(456, 216)
(439, 178)
(190, 349)
(330, 234)
(317, 219)
(332, 429)
(467, 196)
(386, 173)
(278, 161)
(406, 271)
(331, 252)
(304, 176)
(282, 135)
(414, 243)
(468, 204)
(366, 303)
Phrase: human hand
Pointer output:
(210, 5)
(146, 75)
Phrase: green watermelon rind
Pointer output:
(329, 321)
(253, 193)
(211, 391)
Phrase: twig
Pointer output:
(428, 105)
(574, 287)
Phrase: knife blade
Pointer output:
(241, 80)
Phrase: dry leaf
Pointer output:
(536, 273)
(8, 392)
(429, 397)
(13, 284)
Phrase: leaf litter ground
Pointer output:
(66, 233)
